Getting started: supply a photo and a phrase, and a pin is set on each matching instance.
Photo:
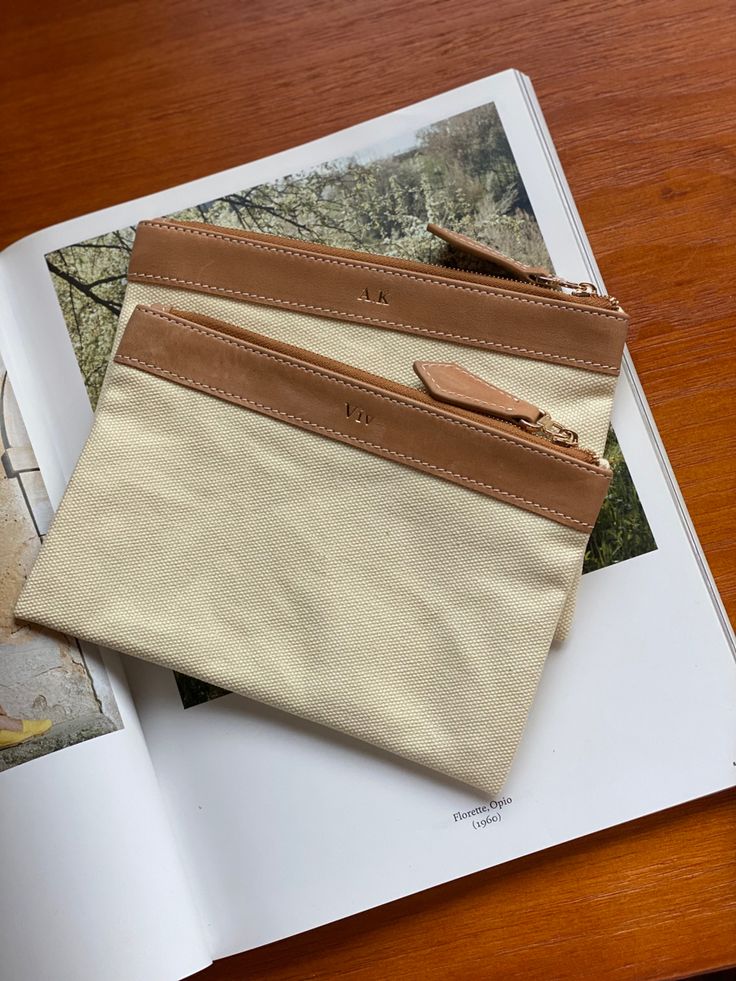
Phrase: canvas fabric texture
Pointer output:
(306, 574)
(576, 398)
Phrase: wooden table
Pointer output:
(640, 99)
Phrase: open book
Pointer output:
(152, 823)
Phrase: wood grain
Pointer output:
(106, 100)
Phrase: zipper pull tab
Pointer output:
(449, 382)
(478, 250)
(536, 275)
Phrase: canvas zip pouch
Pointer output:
(556, 342)
(385, 560)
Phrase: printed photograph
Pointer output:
(459, 173)
(51, 695)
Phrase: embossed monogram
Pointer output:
(357, 414)
(379, 296)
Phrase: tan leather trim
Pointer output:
(480, 250)
(362, 289)
(450, 382)
(336, 405)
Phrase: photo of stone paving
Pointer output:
(51, 694)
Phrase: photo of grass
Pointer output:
(622, 530)
(459, 173)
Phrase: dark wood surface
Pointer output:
(104, 101)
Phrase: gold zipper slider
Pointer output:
(576, 289)
(449, 382)
(558, 283)
(552, 430)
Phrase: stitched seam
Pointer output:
(464, 395)
(352, 439)
(486, 250)
(471, 375)
(375, 320)
(335, 261)
(235, 342)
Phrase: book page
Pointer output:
(83, 818)
(285, 825)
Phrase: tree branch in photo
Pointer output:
(83, 288)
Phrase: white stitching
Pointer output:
(337, 261)
(127, 359)
(471, 375)
(422, 278)
(495, 345)
(235, 342)
(464, 395)
(474, 377)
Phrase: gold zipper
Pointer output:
(518, 270)
(577, 289)
(449, 382)
(537, 284)
(546, 427)
(542, 431)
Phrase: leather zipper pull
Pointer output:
(536, 275)
(449, 382)
(519, 270)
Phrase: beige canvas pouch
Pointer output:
(557, 343)
(333, 543)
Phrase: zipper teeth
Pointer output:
(410, 265)
(396, 388)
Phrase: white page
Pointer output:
(83, 820)
(93, 884)
(286, 825)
